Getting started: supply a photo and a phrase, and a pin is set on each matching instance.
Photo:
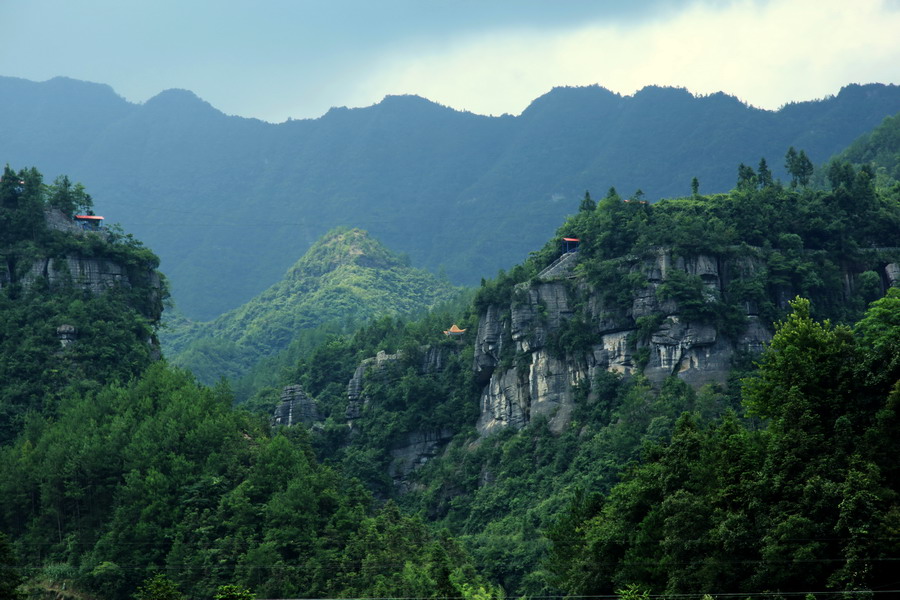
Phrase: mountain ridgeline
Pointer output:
(207, 190)
(343, 280)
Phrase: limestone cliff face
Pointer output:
(87, 260)
(94, 274)
(415, 450)
(356, 397)
(416, 447)
(522, 378)
(295, 407)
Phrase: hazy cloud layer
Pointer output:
(279, 58)
(766, 55)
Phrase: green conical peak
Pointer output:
(343, 246)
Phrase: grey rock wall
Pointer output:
(539, 383)
(96, 275)
(416, 449)
(295, 407)
(532, 382)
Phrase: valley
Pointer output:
(667, 394)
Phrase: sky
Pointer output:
(281, 59)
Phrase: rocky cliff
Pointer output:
(95, 275)
(412, 445)
(524, 374)
(295, 407)
(95, 271)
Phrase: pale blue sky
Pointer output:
(274, 59)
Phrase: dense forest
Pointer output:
(115, 331)
(502, 495)
(117, 469)
(122, 476)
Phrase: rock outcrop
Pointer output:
(522, 377)
(295, 407)
(356, 397)
(416, 449)
(94, 274)
(419, 445)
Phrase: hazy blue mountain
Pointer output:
(228, 202)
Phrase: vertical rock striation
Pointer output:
(523, 375)
(296, 407)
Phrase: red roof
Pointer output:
(571, 240)
(90, 217)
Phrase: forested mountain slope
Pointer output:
(469, 193)
(880, 149)
(345, 279)
(116, 469)
(567, 377)
(76, 306)
(597, 482)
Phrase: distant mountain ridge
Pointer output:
(456, 190)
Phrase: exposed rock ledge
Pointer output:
(530, 381)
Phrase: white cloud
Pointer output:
(766, 54)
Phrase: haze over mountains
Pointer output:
(230, 203)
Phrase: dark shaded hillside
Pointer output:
(228, 202)
(880, 149)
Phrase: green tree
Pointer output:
(633, 592)
(804, 168)
(587, 204)
(233, 592)
(158, 587)
(763, 174)
(790, 163)
(68, 197)
(806, 366)
(746, 178)
(10, 577)
(798, 166)
(879, 338)
(10, 188)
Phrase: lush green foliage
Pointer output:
(808, 503)
(503, 495)
(802, 237)
(10, 577)
(879, 149)
(121, 478)
(346, 278)
(115, 470)
(406, 393)
(164, 474)
(158, 587)
(114, 330)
